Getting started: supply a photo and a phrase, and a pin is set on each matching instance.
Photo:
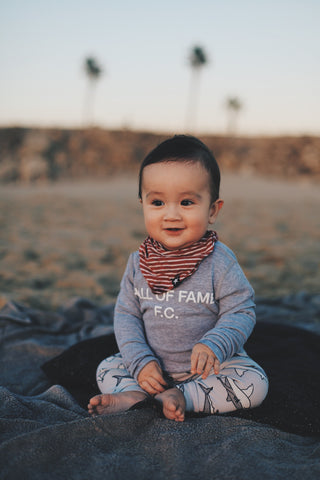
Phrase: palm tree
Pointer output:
(233, 106)
(197, 59)
(93, 71)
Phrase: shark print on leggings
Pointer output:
(241, 384)
(208, 405)
(240, 397)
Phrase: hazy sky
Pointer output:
(266, 53)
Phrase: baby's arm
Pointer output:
(234, 297)
(203, 360)
(129, 327)
(150, 378)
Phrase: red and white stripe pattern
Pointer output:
(165, 269)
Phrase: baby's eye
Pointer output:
(186, 203)
(157, 203)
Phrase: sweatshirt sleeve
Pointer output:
(129, 327)
(236, 318)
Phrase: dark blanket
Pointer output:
(290, 355)
(45, 432)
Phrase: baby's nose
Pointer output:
(172, 212)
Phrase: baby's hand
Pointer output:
(203, 359)
(150, 378)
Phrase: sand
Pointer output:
(67, 239)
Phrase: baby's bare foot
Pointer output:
(113, 403)
(173, 404)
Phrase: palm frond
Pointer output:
(92, 67)
(198, 57)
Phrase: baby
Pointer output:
(185, 308)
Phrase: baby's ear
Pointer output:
(215, 209)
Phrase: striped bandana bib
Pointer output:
(166, 269)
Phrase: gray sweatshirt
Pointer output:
(215, 306)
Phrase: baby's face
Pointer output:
(177, 203)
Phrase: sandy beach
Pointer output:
(66, 239)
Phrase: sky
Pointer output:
(265, 53)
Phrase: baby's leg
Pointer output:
(239, 385)
(119, 390)
(173, 404)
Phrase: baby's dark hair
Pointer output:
(185, 148)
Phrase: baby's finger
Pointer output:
(194, 362)
(147, 387)
(216, 367)
(202, 360)
(157, 386)
(159, 379)
(154, 386)
(208, 367)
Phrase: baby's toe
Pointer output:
(179, 416)
(95, 401)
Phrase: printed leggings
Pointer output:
(241, 383)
